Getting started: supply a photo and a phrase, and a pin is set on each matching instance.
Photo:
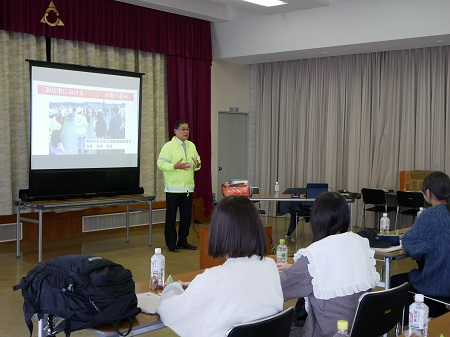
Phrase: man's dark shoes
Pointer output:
(174, 249)
(187, 246)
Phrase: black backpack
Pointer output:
(83, 291)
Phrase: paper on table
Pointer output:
(389, 249)
(148, 302)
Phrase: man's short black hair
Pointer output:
(177, 123)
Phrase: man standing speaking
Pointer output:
(178, 160)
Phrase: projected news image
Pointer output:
(91, 126)
(85, 131)
(84, 121)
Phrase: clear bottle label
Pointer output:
(154, 283)
(282, 253)
(384, 225)
(157, 265)
(418, 318)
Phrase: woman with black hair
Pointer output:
(331, 273)
(427, 243)
(245, 288)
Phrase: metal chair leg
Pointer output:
(396, 218)
(362, 220)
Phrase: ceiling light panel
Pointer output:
(267, 3)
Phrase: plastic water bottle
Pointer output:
(419, 212)
(418, 317)
(384, 224)
(342, 328)
(277, 189)
(282, 252)
(157, 270)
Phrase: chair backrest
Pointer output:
(373, 196)
(410, 199)
(278, 325)
(378, 312)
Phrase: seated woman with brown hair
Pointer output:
(245, 288)
(331, 273)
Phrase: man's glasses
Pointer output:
(184, 129)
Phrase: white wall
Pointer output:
(229, 88)
(347, 28)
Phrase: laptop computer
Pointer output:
(314, 189)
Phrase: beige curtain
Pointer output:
(352, 121)
(15, 110)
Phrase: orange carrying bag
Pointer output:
(236, 187)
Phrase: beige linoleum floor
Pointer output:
(134, 255)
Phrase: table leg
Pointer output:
(18, 232)
(41, 327)
(150, 222)
(40, 237)
(127, 223)
(387, 276)
(387, 272)
(351, 214)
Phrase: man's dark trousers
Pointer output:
(175, 201)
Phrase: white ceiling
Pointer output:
(290, 6)
(228, 10)
(334, 27)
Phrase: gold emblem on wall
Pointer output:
(52, 8)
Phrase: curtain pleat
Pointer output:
(15, 112)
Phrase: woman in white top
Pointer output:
(245, 288)
(332, 272)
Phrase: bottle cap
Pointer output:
(282, 241)
(157, 250)
(342, 324)
(418, 297)
(384, 214)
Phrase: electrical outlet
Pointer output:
(233, 109)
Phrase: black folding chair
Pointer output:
(278, 325)
(378, 312)
(408, 203)
(377, 197)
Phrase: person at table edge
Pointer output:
(427, 242)
(244, 288)
(331, 273)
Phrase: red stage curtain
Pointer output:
(189, 82)
(112, 23)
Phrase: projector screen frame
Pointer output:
(91, 178)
